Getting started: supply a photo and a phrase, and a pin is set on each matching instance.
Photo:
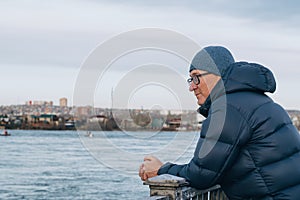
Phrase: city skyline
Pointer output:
(44, 44)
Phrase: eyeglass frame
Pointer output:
(195, 78)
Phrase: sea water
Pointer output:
(37, 164)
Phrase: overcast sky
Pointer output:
(44, 43)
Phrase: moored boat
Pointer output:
(5, 133)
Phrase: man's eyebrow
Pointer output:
(193, 73)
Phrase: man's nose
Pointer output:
(192, 87)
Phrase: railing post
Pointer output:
(166, 186)
(169, 187)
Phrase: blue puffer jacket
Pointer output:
(248, 143)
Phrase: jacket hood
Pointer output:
(243, 76)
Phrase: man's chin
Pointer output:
(200, 99)
(200, 103)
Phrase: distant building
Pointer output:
(63, 102)
(48, 110)
(28, 103)
(83, 111)
(43, 103)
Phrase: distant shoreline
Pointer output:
(119, 130)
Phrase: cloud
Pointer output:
(63, 33)
(267, 10)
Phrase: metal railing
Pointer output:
(169, 187)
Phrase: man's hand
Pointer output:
(149, 167)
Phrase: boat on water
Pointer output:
(89, 134)
(5, 133)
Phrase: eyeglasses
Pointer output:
(196, 79)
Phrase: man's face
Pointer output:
(202, 89)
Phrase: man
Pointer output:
(247, 143)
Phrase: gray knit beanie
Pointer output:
(213, 59)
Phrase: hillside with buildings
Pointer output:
(45, 115)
